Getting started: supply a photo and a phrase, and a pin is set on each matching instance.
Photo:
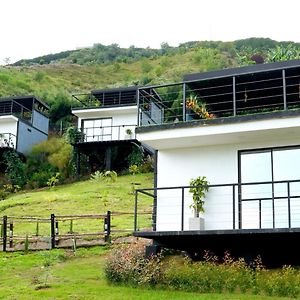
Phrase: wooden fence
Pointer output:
(58, 230)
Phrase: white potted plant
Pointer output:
(198, 189)
(128, 134)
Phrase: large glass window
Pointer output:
(97, 129)
(265, 202)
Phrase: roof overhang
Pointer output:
(222, 131)
(104, 111)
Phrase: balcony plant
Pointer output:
(198, 107)
(128, 132)
(198, 189)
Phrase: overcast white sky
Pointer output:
(30, 28)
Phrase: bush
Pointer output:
(15, 168)
(127, 264)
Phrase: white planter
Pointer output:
(196, 223)
(128, 136)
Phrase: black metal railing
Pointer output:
(257, 205)
(7, 140)
(108, 133)
(11, 107)
(231, 97)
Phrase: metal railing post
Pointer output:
(182, 209)
(184, 102)
(289, 203)
(233, 206)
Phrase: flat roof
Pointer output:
(25, 100)
(115, 90)
(242, 70)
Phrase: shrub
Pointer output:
(108, 176)
(127, 264)
(15, 168)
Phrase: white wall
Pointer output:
(8, 124)
(219, 163)
(124, 116)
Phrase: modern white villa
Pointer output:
(240, 128)
(23, 123)
(108, 122)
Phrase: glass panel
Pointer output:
(286, 164)
(88, 123)
(266, 214)
(256, 167)
(97, 123)
(281, 213)
(106, 122)
(280, 190)
(250, 212)
(295, 212)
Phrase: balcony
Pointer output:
(118, 97)
(107, 133)
(247, 207)
(227, 94)
(11, 107)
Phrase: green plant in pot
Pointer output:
(128, 133)
(198, 189)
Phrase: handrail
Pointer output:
(234, 194)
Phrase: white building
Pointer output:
(248, 148)
(23, 123)
(108, 122)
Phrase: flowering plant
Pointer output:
(198, 108)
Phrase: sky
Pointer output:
(31, 28)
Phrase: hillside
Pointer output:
(55, 77)
(79, 198)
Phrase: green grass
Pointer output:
(84, 197)
(79, 277)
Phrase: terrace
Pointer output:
(22, 107)
(227, 94)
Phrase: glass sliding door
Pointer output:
(264, 202)
(97, 130)
(256, 167)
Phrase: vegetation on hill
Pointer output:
(55, 77)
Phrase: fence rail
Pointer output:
(61, 228)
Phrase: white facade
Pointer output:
(8, 130)
(212, 151)
(105, 124)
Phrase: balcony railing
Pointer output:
(11, 107)
(221, 97)
(108, 133)
(259, 205)
(8, 140)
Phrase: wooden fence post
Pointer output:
(107, 225)
(52, 219)
(56, 232)
(4, 222)
(11, 235)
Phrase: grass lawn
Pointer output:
(84, 197)
(23, 276)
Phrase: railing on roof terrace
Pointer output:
(108, 133)
(219, 98)
(11, 107)
(8, 140)
(258, 205)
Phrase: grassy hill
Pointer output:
(55, 77)
(84, 197)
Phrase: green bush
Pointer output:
(127, 264)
